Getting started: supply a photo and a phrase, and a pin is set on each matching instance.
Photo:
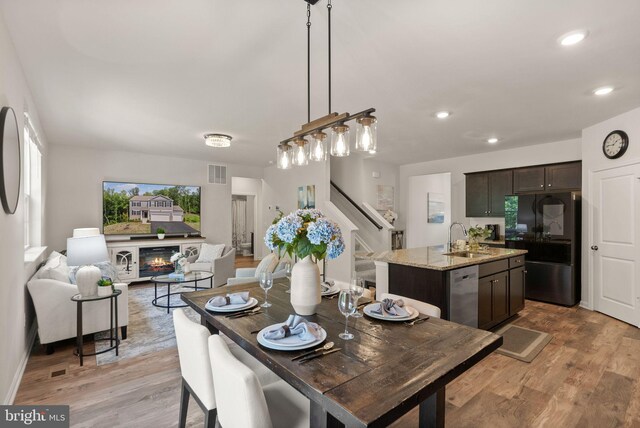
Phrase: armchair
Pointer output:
(222, 267)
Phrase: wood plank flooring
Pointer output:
(588, 376)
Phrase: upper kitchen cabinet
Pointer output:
(485, 193)
(564, 176)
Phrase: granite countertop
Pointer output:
(434, 257)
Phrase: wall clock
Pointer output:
(615, 144)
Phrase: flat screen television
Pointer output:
(140, 209)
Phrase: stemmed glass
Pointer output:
(287, 272)
(357, 289)
(266, 282)
(347, 306)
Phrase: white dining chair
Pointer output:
(195, 366)
(243, 402)
(422, 307)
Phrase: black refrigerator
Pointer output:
(547, 225)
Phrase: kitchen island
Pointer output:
(479, 289)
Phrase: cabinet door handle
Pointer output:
(542, 185)
(549, 184)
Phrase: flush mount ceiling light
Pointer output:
(573, 37)
(605, 90)
(442, 114)
(297, 150)
(492, 140)
(217, 140)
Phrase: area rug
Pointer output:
(150, 328)
(522, 343)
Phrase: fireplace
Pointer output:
(156, 260)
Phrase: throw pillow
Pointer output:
(106, 269)
(210, 252)
(55, 268)
(268, 264)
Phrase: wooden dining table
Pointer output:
(385, 371)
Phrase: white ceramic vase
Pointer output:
(87, 279)
(305, 287)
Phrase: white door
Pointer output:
(615, 250)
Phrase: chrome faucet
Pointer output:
(464, 230)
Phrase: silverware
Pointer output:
(365, 303)
(333, 296)
(246, 311)
(415, 321)
(322, 354)
(246, 314)
(326, 347)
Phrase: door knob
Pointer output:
(594, 247)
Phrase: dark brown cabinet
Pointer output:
(493, 300)
(564, 176)
(485, 193)
(516, 290)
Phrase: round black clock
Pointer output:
(615, 144)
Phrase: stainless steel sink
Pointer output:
(466, 254)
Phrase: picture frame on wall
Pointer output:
(385, 197)
(435, 207)
(307, 196)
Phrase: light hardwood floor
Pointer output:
(588, 376)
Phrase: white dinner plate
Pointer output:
(413, 314)
(288, 344)
(334, 289)
(232, 308)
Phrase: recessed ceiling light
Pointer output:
(492, 140)
(603, 91)
(573, 38)
(442, 114)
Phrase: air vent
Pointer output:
(217, 174)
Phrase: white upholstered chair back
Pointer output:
(241, 401)
(193, 351)
(422, 307)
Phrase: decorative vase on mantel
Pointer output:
(305, 287)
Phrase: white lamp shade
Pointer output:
(86, 231)
(86, 250)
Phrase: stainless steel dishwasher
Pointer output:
(463, 296)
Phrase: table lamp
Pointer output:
(84, 251)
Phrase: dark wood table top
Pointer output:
(385, 371)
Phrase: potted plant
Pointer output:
(105, 286)
(160, 232)
(475, 235)
(311, 236)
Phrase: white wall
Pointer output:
(560, 151)
(420, 233)
(75, 187)
(16, 314)
(593, 160)
(353, 174)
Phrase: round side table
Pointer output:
(113, 313)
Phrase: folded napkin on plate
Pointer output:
(295, 326)
(326, 286)
(390, 307)
(230, 299)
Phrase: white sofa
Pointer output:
(56, 313)
(222, 267)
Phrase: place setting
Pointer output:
(329, 290)
(395, 311)
(234, 305)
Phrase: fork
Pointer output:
(415, 321)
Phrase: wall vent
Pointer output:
(217, 174)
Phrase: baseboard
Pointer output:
(15, 384)
(585, 305)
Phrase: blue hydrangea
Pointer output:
(287, 227)
(335, 248)
(322, 231)
(312, 213)
(268, 238)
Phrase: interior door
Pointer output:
(615, 246)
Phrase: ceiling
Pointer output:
(153, 76)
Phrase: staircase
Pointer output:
(365, 269)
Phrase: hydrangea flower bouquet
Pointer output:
(311, 236)
(305, 233)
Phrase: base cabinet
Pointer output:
(500, 294)
(516, 290)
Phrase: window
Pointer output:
(32, 170)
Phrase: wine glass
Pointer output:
(266, 282)
(347, 306)
(287, 272)
(357, 289)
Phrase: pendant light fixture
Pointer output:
(301, 151)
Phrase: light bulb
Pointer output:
(300, 154)
(283, 158)
(340, 141)
(366, 134)
(318, 150)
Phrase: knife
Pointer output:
(314, 356)
(246, 311)
(246, 314)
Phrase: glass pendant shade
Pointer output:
(283, 159)
(300, 152)
(366, 134)
(340, 141)
(318, 150)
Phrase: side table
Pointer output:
(115, 341)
